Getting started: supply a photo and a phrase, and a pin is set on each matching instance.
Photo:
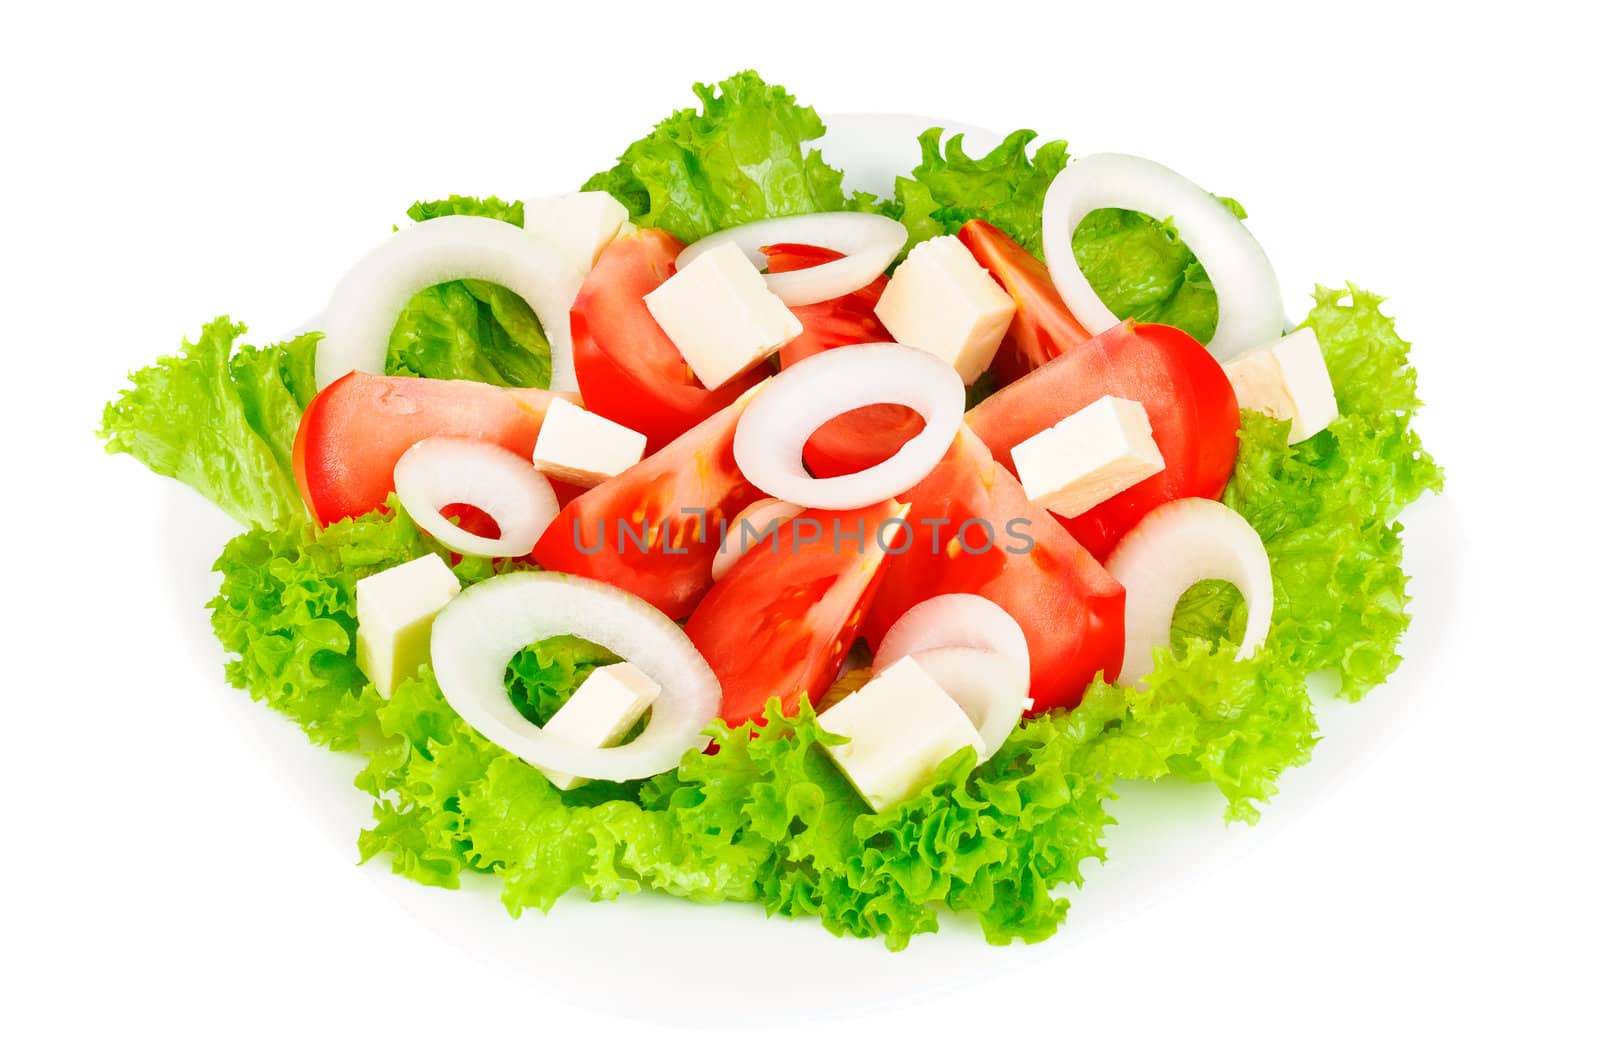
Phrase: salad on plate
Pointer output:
(721, 531)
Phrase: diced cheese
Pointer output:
(601, 711)
(901, 727)
(583, 448)
(1288, 380)
(394, 618)
(943, 301)
(579, 224)
(1100, 451)
(721, 315)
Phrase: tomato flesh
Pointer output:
(657, 501)
(1194, 418)
(356, 429)
(781, 621)
(861, 438)
(1043, 326)
(1069, 608)
(627, 368)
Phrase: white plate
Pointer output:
(612, 956)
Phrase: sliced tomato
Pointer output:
(628, 370)
(974, 532)
(1043, 327)
(781, 621)
(654, 530)
(1194, 418)
(861, 438)
(357, 427)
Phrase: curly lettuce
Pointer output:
(221, 416)
(470, 329)
(741, 157)
(1138, 265)
(221, 421)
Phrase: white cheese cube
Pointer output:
(583, 448)
(901, 726)
(941, 300)
(394, 618)
(721, 316)
(1287, 380)
(601, 711)
(579, 225)
(1100, 451)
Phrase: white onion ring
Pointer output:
(869, 242)
(953, 620)
(484, 627)
(760, 514)
(440, 470)
(769, 442)
(1175, 546)
(1249, 304)
(368, 301)
(990, 689)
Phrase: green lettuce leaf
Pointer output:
(1005, 188)
(1137, 264)
(1142, 269)
(470, 329)
(1326, 508)
(543, 676)
(740, 158)
(286, 611)
(221, 421)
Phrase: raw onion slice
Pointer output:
(991, 689)
(369, 299)
(764, 516)
(440, 471)
(954, 620)
(1249, 305)
(478, 633)
(772, 432)
(1174, 547)
(869, 242)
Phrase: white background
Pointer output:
(179, 875)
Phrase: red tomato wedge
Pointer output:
(861, 438)
(358, 426)
(628, 370)
(644, 530)
(1194, 418)
(1069, 608)
(1043, 327)
(781, 621)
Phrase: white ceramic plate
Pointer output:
(612, 956)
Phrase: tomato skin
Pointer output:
(1194, 418)
(861, 438)
(627, 368)
(1070, 609)
(781, 621)
(355, 430)
(694, 471)
(1043, 327)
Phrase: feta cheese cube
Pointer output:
(901, 726)
(721, 315)
(601, 711)
(583, 448)
(941, 300)
(1084, 459)
(1288, 380)
(394, 618)
(579, 225)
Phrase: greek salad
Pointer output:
(719, 531)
